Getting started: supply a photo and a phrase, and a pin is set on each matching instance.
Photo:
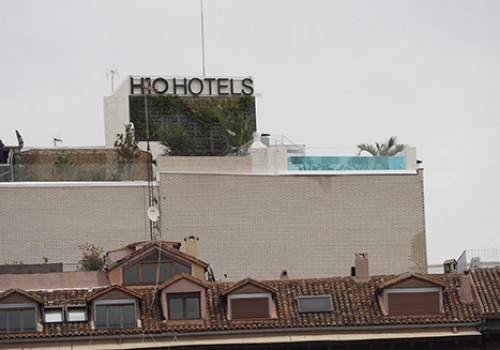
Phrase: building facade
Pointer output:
(269, 209)
(154, 296)
(193, 116)
(309, 225)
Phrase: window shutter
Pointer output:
(250, 308)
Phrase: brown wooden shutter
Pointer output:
(405, 304)
(249, 308)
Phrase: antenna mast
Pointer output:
(202, 38)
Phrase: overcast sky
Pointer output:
(330, 74)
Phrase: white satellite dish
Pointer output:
(153, 213)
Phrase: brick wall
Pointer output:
(248, 225)
(205, 164)
(44, 220)
(258, 225)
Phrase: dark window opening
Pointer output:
(18, 318)
(185, 306)
(147, 270)
(115, 314)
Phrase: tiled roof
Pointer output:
(97, 294)
(9, 292)
(134, 245)
(486, 283)
(165, 247)
(245, 282)
(355, 304)
(409, 275)
(176, 278)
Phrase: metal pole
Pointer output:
(149, 164)
(202, 38)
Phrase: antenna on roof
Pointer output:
(202, 38)
(56, 140)
(112, 74)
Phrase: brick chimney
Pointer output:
(465, 290)
(192, 245)
(361, 267)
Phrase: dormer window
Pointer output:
(183, 298)
(115, 307)
(18, 317)
(19, 311)
(250, 300)
(411, 295)
(247, 306)
(147, 269)
(154, 263)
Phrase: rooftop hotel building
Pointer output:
(273, 208)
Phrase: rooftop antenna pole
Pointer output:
(56, 140)
(112, 74)
(202, 38)
(149, 162)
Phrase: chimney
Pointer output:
(192, 245)
(465, 290)
(284, 275)
(259, 155)
(450, 266)
(361, 267)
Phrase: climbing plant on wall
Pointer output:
(202, 125)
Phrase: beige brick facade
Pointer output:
(51, 220)
(311, 225)
(219, 165)
(248, 225)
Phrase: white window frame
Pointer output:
(413, 290)
(51, 312)
(70, 316)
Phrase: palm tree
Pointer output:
(387, 149)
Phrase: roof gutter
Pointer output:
(263, 336)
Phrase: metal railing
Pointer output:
(478, 259)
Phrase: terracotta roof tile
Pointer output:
(164, 247)
(409, 275)
(94, 295)
(355, 304)
(486, 283)
(246, 281)
(176, 278)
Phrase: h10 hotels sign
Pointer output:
(191, 86)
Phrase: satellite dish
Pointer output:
(153, 213)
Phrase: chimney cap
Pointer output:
(361, 269)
